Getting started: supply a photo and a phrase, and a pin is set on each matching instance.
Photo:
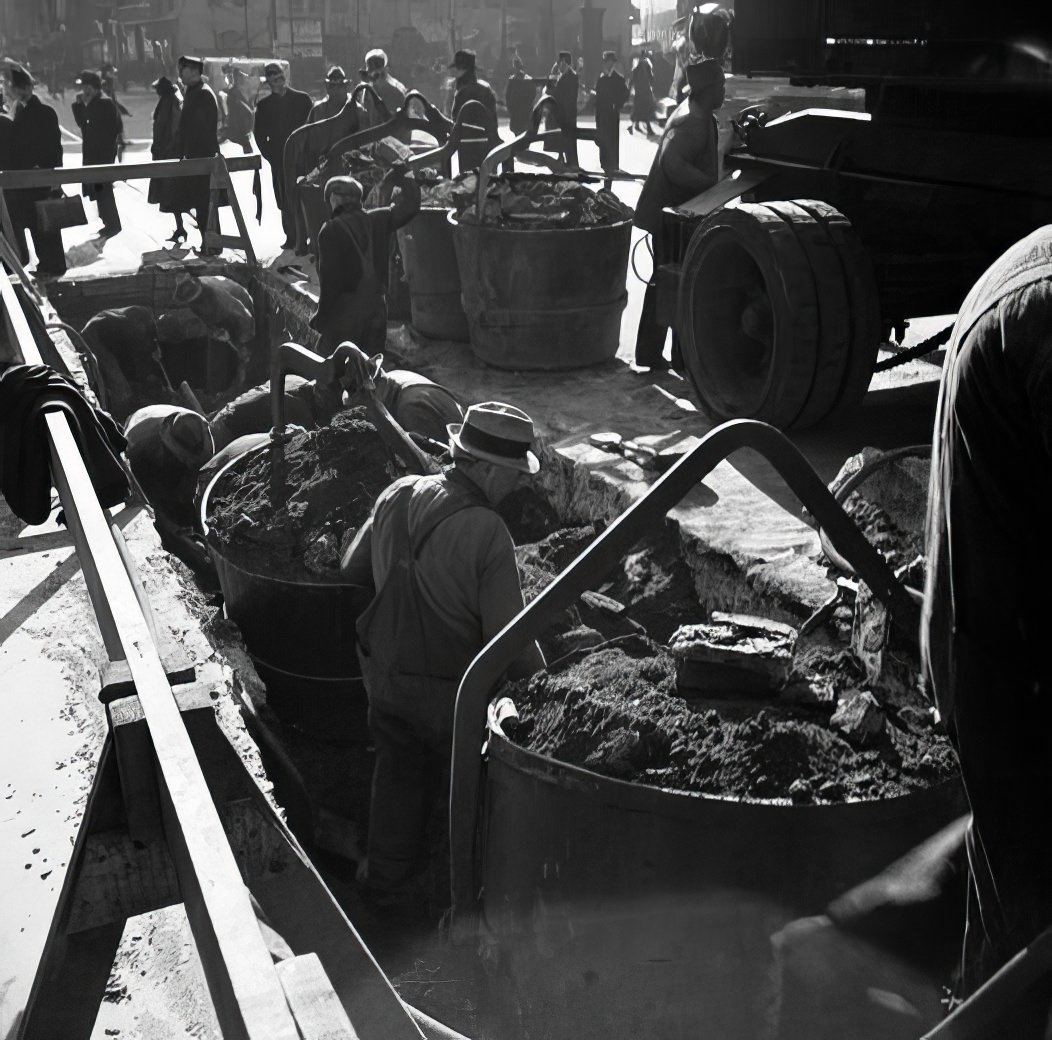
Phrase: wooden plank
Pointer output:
(246, 992)
(217, 239)
(724, 191)
(315, 1006)
(239, 217)
(123, 172)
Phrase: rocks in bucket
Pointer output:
(733, 653)
(858, 718)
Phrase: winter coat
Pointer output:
(165, 145)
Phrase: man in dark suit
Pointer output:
(102, 129)
(611, 93)
(198, 139)
(277, 115)
(33, 141)
(470, 88)
(564, 91)
(520, 95)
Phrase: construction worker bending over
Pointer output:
(353, 251)
(987, 614)
(443, 567)
(418, 405)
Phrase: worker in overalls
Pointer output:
(353, 251)
(443, 566)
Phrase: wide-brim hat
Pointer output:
(187, 436)
(163, 83)
(335, 75)
(463, 60)
(21, 76)
(87, 78)
(498, 433)
(190, 60)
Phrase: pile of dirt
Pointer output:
(615, 710)
(535, 202)
(332, 477)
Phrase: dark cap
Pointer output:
(609, 56)
(565, 56)
(463, 60)
(20, 77)
(191, 61)
(272, 68)
(89, 79)
(336, 75)
(163, 85)
(705, 73)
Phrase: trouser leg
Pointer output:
(107, 204)
(50, 253)
(650, 338)
(402, 794)
(288, 217)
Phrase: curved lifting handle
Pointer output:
(514, 147)
(441, 155)
(433, 122)
(486, 670)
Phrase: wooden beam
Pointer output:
(318, 1011)
(245, 989)
(168, 168)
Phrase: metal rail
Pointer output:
(245, 987)
(488, 668)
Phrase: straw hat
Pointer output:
(497, 433)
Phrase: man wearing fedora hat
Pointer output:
(469, 87)
(686, 164)
(35, 143)
(336, 90)
(443, 566)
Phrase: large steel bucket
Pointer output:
(430, 262)
(300, 636)
(543, 299)
(625, 910)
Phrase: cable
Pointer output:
(650, 250)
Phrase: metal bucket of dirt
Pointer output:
(546, 300)
(430, 262)
(626, 910)
(300, 636)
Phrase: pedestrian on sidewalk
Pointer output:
(391, 91)
(519, 96)
(198, 139)
(611, 93)
(34, 141)
(470, 88)
(686, 164)
(353, 250)
(165, 145)
(107, 75)
(101, 128)
(644, 104)
(565, 89)
(277, 115)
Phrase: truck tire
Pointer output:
(834, 311)
(748, 316)
(864, 308)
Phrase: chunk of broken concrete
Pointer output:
(858, 718)
(733, 653)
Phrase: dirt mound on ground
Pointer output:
(615, 710)
(333, 476)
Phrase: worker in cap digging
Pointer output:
(686, 164)
(353, 250)
(442, 564)
(420, 406)
(167, 445)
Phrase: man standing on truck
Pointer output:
(686, 164)
(443, 566)
(277, 115)
(987, 615)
